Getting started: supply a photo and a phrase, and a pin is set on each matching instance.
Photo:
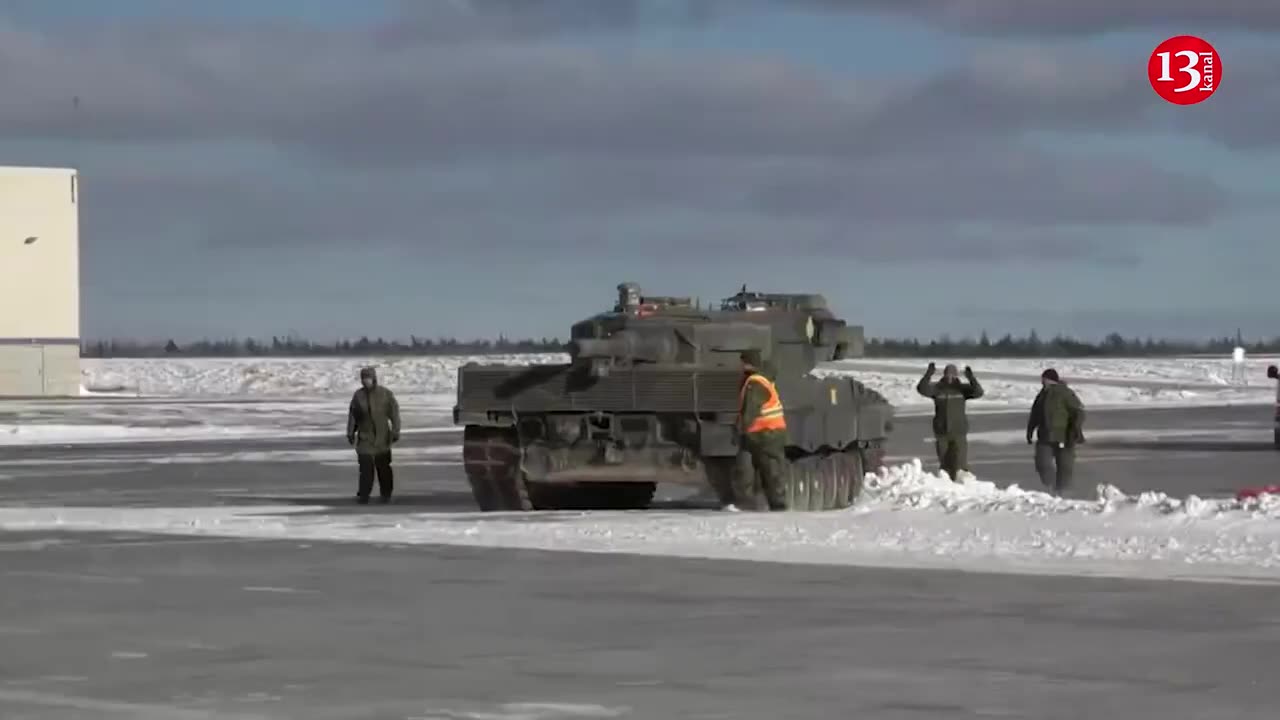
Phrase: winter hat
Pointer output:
(1050, 374)
(751, 358)
(370, 373)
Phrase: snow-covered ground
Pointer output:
(142, 420)
(434, 455)
(284, 377)
(1100, 383)
(194, 399)
(908, 518)
(337, 377)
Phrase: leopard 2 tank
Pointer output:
(651, 395)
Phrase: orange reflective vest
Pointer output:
(770, 417)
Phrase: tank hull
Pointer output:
(556, 436)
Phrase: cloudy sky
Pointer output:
(470, 167)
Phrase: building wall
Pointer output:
(28, 370)
(39, 281)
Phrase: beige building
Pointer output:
(39, 282)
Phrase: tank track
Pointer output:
(830, 480)
(491, 458)
(817, 482)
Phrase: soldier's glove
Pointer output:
(395, 436)
(351, 438)
(968, 371)
(931, 369)
(1029, 440)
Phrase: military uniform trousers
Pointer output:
(769, 462)
(1055, 465)
(371, 464)
(953, 453)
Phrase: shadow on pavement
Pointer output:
(416, 502)
(448, 501)
(1180, 445)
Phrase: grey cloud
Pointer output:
(1003, 184)
(464, 20)
(349, 99)
(1011, 89)
(988, 204)
(405, 136)
(1054, 17)
(1242, 113)
(346, 97)
(1192, 323)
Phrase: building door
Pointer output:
(22, 370)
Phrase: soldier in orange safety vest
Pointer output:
(764, 432)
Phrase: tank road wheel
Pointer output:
(794, 490)
(837, 482)
(491, 458)
(854, 468)
(823, 482)
(818, 484)
(797, 484)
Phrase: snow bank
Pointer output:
(1100, 383)
(1151, 381)
(200, 399)
(276, 377)
(84, 421)
(1004, 394)
(404, 456)
(907, 518)
(1189, 370)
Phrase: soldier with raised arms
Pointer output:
(950, 420)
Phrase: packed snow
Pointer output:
(1100, 383)
(175, 400)
(140, 420)
(1193, 379)
(906, 518)
(283, 377)
(431, 455)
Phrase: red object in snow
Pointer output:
(1254, 492)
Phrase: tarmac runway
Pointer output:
(127, 625)
(1203, 451)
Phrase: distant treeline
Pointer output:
(1008, 346)
(295, 347)
(1032, 345)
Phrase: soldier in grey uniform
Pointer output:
(373, 426)
(950, 421)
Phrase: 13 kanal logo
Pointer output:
(1185, 70)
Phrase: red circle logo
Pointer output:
(1185, 70)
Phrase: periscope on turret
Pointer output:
(651, 394)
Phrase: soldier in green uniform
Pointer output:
(763, 432)
(373, 425)
(950, 422)
(1057, 421)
